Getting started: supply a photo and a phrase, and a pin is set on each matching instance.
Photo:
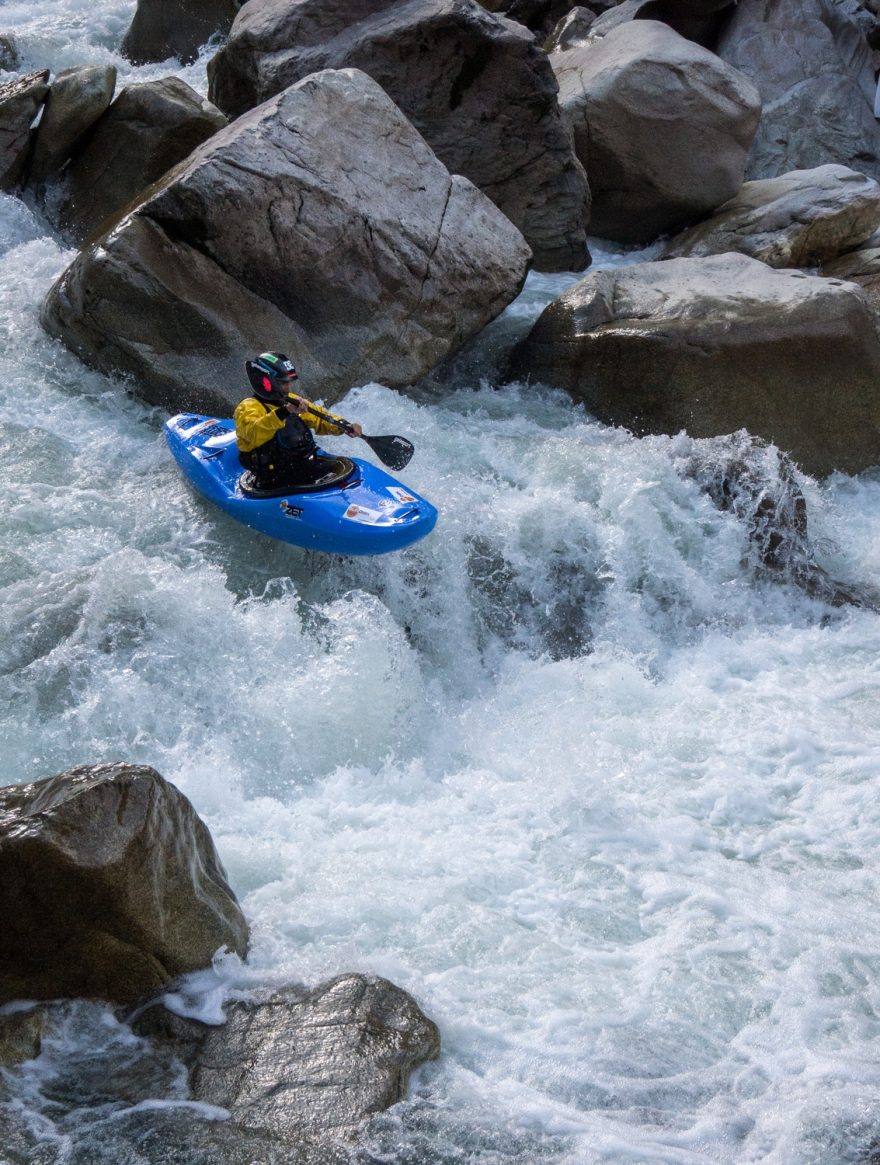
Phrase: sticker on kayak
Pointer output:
(400, 493)
(363, 514)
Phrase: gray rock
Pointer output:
(176, 28)
(21, 1033)
(10, 61)
(109, 886)
(662, 126)
(20, 102)
(77, 98)
(801, 219)
(320, 224)
(304, 1064)
(814, 70)
(572, 30)
(475, 85)
(148, 129)
(861, 267)
(716, 345)
(697, 20)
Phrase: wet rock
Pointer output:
(662, 126)
(475, 85)
(801, 219)
(319, 224)
(305, 1064)
(148, 129)
(815, 73)
(10, 61)
(20, 102)
(176, 28)
(21, 1032)
(109, 886)
(712, 346)
(572, 30)
(77, 98)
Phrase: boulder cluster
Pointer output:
(367, 184)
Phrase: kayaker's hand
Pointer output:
(355, 431)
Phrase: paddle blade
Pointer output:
(395, 452)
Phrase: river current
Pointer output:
(573, 771)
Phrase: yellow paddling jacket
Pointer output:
(256, 423)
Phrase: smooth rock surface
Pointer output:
(319, 224)
(109, 887)
(149, 128)
(475, 85)
(712, 346)
(801, 219)
(814, 70)
(20, 101)
(77, 97)
(176, 28)
(662, 126)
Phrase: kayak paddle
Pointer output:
(393, 451)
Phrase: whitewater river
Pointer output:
(571, 771)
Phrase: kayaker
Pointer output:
(274, 428)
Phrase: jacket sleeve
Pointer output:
(254, 425)
(316, 422)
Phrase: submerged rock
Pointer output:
(20, 101)
(661, 125)
(712, 346)
(109, 887)
(475, 85)
(319, 224)
(800, 219)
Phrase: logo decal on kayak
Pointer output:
(363, 514)
(291, 511)
(400, 494)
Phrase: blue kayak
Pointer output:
(355, 508)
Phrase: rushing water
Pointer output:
(574, 771)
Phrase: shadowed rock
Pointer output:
(661, 125)
(715, 345)
(148, 129)
(815, 73)
(320, 224)
(20, 101)
(801, 219)
(697, 20)
(475, 85)
(175, 28)
(76, 99)
(109, 886)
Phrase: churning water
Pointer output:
(575, 771)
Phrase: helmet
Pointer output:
(271, 374)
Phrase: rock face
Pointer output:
(697, 20)
(109, 886)
(814, 70)
(801, 219)
(475, 85)
(319, 224)
(175, 28)
(716, 345)
(662, 126)
(148, 129)
(307, 1064)
(20, 101)
(77, 98)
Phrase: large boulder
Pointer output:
(698, 20)
(176, 28)
(815, 73)
(304, 1063)
(475, 85)
(662, 126)
(715, 345)
(320, 224)
(110, 886)
(20, 101)
(76, 99)
(148, 129)
(801, 219)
